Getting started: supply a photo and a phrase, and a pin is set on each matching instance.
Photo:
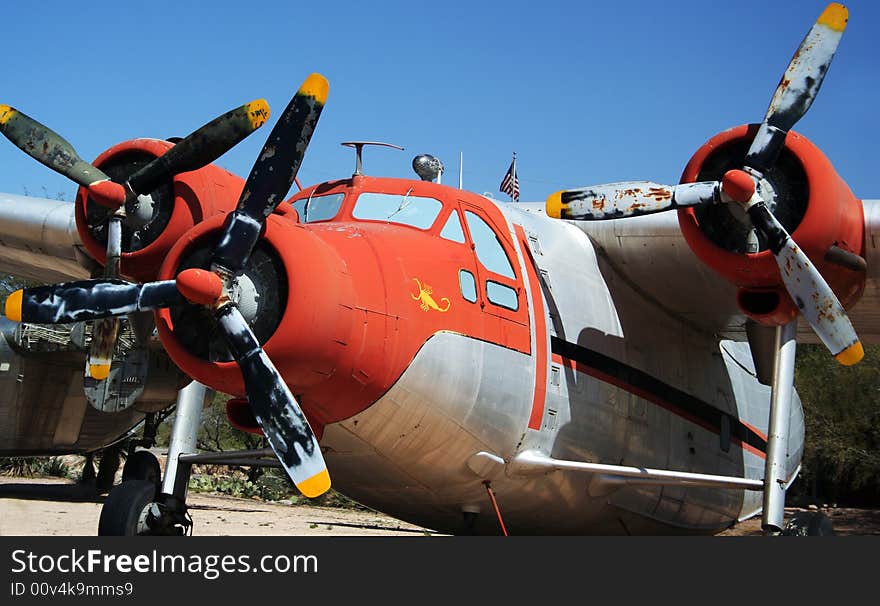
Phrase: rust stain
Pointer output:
(633, 192)
(659, 193)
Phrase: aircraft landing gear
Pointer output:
(140, 506)
(809, 524)
(126, 508)
(142, 465)
(469, 516)
(107, 469)
(775, 471)
(88, 471)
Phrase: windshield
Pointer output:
(406, 209)
(319, 208)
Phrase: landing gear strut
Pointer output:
(107, 469)
(775, 468)
(88, 472)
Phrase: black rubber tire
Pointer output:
(142, 465)
(121, 514)
(809, 524)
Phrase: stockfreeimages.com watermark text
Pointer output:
(210, 566)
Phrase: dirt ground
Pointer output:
(846, 521)
(51, 507)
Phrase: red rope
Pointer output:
(495, 505)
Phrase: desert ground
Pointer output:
(53, 507)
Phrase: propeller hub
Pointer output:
(107, 193)
(739, 185)
(200, 286)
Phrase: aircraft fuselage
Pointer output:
(449, 325)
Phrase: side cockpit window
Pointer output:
(489, 251)
(319, 208)
(491, 255)
(406, 209)
(468, 285)
(452, 230)
(501, 294)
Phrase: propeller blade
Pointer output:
(799, 86)
(202, 146)
(272, 174)
(48, 147)
(808, 289)
(628, 199)
(88, 300)
(275, 408)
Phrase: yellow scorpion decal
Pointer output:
(427, 301)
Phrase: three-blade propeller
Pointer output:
(271, 401)
(198, 149)
(793, 97)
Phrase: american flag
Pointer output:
(510, 184)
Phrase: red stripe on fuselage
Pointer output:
(654, 399)
(540, 352)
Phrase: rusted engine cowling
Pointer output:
(181, 203)
(811, 201)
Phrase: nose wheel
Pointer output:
(140, 505)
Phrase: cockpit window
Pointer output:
(452, 230)
(489, 250)
(407, 209)
(318, 208)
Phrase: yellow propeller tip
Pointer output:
(316, 86)
(258, 113)
(13, 302)
(834, 16)
(99, 372)
(316, 485)
(554, 205)
(6, 113)
(851, 355)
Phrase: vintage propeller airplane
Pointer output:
(586, 365)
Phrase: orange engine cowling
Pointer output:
(304, 313)
(172, 210)
(805, 194)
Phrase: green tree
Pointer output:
(842, 414)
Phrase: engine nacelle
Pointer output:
(298, 296)
(805, 194)
(169, 212)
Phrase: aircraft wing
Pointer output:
(39, 240)
(650, 254)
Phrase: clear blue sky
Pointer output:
(584, 92)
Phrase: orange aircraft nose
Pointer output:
(317, 308)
